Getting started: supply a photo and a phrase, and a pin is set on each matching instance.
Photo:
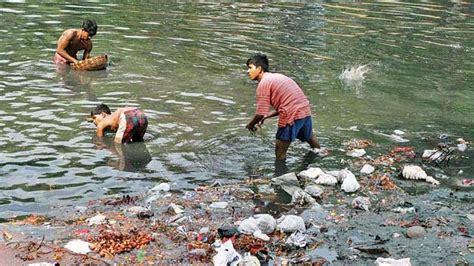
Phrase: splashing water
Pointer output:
(355, 75)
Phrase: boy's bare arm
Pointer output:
(102, 126)
(63, 42)
(87, 51)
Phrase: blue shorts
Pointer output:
(302, 129)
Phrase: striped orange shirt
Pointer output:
(284, 95)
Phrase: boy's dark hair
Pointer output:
(259, 60)
(90, 26)
(101, 108)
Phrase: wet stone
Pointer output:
(415, 231)
(265, 188)
(314, 214)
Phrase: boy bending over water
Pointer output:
(289, 103)
(75, 40)
(129, 123)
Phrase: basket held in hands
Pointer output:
(92, 63)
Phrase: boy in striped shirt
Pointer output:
(288, 102)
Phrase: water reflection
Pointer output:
(280, 168)
(301, 164)
(130, 157)
(80, 81)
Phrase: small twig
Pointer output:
(39, 245)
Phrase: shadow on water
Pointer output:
(131, 157)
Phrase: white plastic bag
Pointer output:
(349, 183)
(326, 179)
(266, 223)
(392, 262)
(78, 246)
(367, 169)
(226, 255)
(311, 173)
(248, 226)
(290, 224)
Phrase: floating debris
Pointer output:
(110, 242)
(356, 153)
(415, 172)
(367, 169)
(362, 203)
(78, 246)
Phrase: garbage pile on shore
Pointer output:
(353, 215)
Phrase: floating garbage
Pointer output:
(288, 183)
(326, 179)
(297, 239)
(42, 264)
(290, 223)
(311, 173)
(462, 145)
(226, 255)
(403, 210)
(393, 137)
(258, 225)
(349, 183)
(266, 223)
(227, 231)
(321, 152)
(175, 208)
(81, 209)
(165, 187)
(258, 234)
(314, 190)
(392, 262)
(361, 203)
(219, 205)
(356, 153)
(436, 156)
(140, 211)
(398, 132)
(157, 192)
(249, 260)
(468, 182)
(98, 219)
(301, 197)
(415, 172)
(78, 246)
(343, 174)
(367, 169)
(248, 226)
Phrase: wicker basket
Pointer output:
(90, 64)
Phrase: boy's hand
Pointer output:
(251, 128)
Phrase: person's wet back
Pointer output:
(129, 123)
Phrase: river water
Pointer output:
(184, 65)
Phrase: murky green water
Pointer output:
(184, 64)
